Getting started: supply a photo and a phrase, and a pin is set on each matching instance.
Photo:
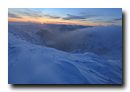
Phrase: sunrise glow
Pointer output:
(73, 16)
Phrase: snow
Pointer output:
(49, 42)
(31, 63)
(103, 41)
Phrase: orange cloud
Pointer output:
(56, 21)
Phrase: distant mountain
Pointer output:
(64, 28)
(103, 41)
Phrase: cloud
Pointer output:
(109, 21)
(29, 21)
(40, 16)
(82, 12)
(118, 19)
(105, 21)
(53, 17)
(28, 13)
(12, 15)
(114, 20)
(25, 12)
(71, 17)
(31, 13)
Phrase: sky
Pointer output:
(73, 16)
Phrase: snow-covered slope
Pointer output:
(103, 41)
(29, 63)
(25, 34)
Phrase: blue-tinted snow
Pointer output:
(30, 63)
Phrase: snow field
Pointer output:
(30, 63)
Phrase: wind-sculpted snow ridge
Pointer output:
(29, 63)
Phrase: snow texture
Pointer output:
(30, 61)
